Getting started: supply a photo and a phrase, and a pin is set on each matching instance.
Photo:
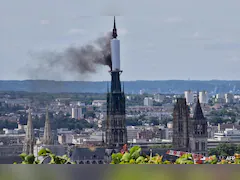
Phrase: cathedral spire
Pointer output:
(114, 33)
(29, 138)
(198, 114)
(47, 137)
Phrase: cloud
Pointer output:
(44, 22)
(76, 31)
(173, 20)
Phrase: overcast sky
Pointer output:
(160, 40)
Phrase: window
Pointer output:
(199, 129)
(197, 146)
(180, 126)
(203, 146)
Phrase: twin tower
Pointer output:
(30, 140)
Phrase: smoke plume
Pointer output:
(79, 60)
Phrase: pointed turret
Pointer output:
(47, 137)
(114, 33)
(198, 114)
(29, 138)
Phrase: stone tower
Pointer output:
(29, 138)
(47, 137)
(180, 125)
(198, 131)
(116, 132)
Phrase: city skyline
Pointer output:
(159, 40)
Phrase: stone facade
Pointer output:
(189, 134)
(29, 142)
(116, 132)
(180, 125)
(198, 131)
(47, 137)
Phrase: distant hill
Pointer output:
(167, 86)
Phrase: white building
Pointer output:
(141, 92)
(77, 113)
(148, 101)
(128, 97)
(189, 96)
(203, 97)
(229, 134)
(170, 125)
(229, 98)
(81, 104)
(65, 138)
(220, 98)
(159, 98)
(99, 103)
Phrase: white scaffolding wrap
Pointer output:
(115, 54)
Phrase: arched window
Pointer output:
(197, 146)
(203, 146)
(94, 162)
(88, 162)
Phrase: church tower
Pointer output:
(29, 142)
(181, 125)
(116, 132)
(198, 131)
(47, 137)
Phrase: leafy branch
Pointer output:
(46, 156)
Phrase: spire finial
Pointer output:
(197, 95)
(114, 34)
(47, 137)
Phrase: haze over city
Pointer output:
(159, 39)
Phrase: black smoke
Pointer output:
(79, 60)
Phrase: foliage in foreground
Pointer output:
(46, 156)
(133, 156)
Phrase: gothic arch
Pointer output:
(88, 162)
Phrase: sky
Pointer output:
(160, 40)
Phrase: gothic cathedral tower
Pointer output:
(28, 146)
(116, 132)
(181, 125)
(198, 131)
(47, 137)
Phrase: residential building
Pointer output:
(148, 101)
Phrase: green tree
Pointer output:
(47, 156)
(224, 149)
